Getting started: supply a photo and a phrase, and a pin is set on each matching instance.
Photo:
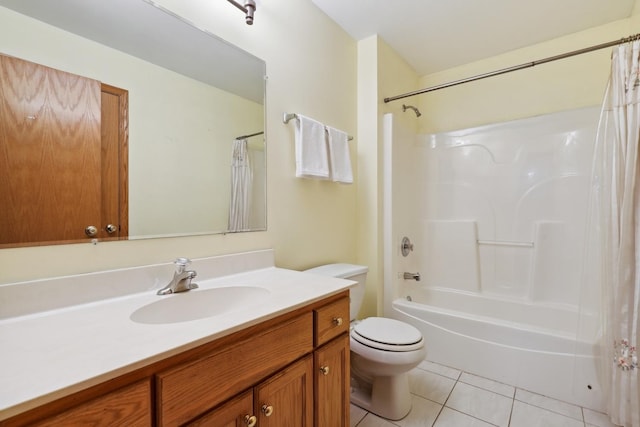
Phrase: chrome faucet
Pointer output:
(412, 276)
(181, 281)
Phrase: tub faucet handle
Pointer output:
(412, 276)
(406, 246)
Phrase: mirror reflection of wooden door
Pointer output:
(114, 163)
(51, 155)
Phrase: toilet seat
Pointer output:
(387, 335)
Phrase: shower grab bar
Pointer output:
(287, 117)
(505, 243)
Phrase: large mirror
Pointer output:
(191, 126)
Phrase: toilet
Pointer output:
(383, 351)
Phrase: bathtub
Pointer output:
(529, 346)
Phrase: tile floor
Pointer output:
(447, 397)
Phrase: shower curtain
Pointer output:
(617, 194)
(241, 183)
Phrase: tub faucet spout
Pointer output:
(181, 281)
(412, 276)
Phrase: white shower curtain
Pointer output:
(617, 191)
(241, 184)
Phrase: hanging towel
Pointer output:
(311, 149)
(339, 160)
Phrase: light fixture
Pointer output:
(248, 7)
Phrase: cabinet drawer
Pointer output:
(331, 320)
(129, 406)
(189, 390)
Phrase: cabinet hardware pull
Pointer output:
(337, 321)
(250, 420)
(267, 410)
(324, 370)
(91, 231)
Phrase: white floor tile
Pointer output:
(429, 385)
(474, 401)
(552, 405)
(436, 368)
(487, 384)
(485, 405)
(450, 418)
(356, 414)
(597, 419)
(423, 413)
(374, 421)
(525, 415)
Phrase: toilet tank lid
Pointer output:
(339, 270)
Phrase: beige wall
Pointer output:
(311, 67)
(381, 72)
(574, 82)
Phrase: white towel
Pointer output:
(311, 149)
(339, 159)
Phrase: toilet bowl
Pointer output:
(383, 351)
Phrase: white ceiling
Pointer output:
(434, 35)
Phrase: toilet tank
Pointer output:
(354, 272)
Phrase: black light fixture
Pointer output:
(248, 7)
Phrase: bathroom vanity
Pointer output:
(282, 360)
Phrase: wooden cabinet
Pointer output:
(331, 364)
(332, 383)
(238, 412)
(188, 390)
(286, 399)
(291, 371)
(331, 320)
(129, 406)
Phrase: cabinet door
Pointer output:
(331, 367)
(235, 413)
(286, 399)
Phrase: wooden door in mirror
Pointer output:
(62, 144)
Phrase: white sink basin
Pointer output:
(198, 304)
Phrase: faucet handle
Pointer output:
(181, 263)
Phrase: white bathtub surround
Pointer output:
(498, 217)
(85, 335)
(617, 190)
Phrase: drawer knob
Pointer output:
(324, 370)
(337, 321)
(267, 410)
(250, 420)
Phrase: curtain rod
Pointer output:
(250, 135)
(514, 68)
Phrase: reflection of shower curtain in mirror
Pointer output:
(241, 183)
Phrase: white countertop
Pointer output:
(54, 353)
